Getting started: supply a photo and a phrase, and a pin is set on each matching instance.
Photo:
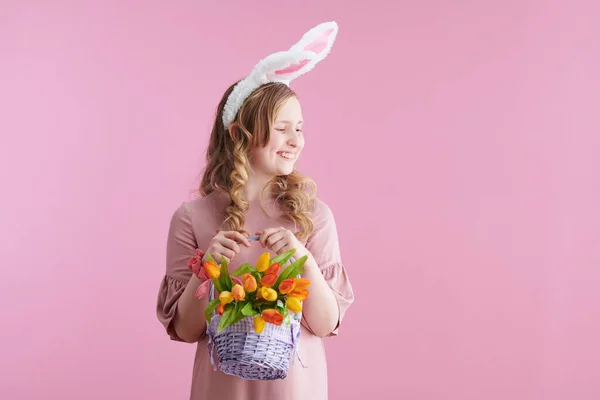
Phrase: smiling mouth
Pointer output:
(286, 155)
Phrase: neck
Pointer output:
(256, 188)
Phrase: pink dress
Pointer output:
(193, 224)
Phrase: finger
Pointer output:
(266, 234)
(231, 236)
(231, 244)
(236, 236)
(223, 251)
(276, 241)
(280, 246)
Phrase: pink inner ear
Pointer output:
(320, 42)
(291, 68)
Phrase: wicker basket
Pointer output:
(242, 352)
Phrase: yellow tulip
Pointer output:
(263, 262)
(268, 294)
(259, 324)
(226, 297)
(293, 304)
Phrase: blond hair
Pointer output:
(228, 167)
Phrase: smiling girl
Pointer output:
(250, 185)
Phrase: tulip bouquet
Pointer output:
(262, 292)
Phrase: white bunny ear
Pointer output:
(319, 41)
(283, 66)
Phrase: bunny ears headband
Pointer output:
(283, 66)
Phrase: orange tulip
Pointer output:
(301, 284)
(212, 270)
(263, 262)
(220, 308)
(226, 297)
(293, 304)
(249, 283)
(267, 293)
(287, 285)
(272, 316)
(259, 324)
(238, 292)
(299, 294)
(268, 280)
(274, 269)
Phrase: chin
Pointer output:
(285, 171)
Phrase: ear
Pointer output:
(232, 131)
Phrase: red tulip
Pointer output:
(274, 269)
(273, 316)
(299, 294)
(268, 280)
(287, 285)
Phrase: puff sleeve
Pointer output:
(181, 245)
(323, 244)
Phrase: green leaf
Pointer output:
(244, 269)
(257, 275)
(248, 310)
(210, 258)
(292, 270)
(239, 315)
(224, 278)
(279, 303)
(283, 257)
(210, 309)
(226, 318)
(218, 285)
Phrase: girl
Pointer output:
(250, 185)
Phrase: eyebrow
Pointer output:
(288, 122)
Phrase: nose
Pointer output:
(294, 140)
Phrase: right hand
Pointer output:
(225, 244)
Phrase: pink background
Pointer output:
(463, 139)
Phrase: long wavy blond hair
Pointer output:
(228, 167)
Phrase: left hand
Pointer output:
(281, 240)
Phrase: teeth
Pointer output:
(289, 156)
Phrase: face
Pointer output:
(285, 143)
